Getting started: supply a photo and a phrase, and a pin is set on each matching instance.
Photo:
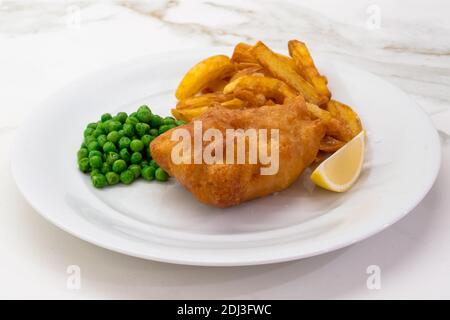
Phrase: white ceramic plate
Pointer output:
(162, 221)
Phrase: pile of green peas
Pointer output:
(116, 149)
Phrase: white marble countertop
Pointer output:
(46, 44)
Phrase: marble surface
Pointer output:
(44, 45)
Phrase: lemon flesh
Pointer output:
(341, 170)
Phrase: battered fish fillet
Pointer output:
(225, 185)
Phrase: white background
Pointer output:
(45, 45)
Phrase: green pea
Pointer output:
(112, 157)
(89, 139)
(165, 127)
(153, 132)
(105, 126)
(94, 172)
(105, 168)
(113, 136)
(119, 166)
(93, 146)
(144, 163)
(105, 117)
(88, 132)
(84, 165)
(121, 133)
(98, 132)
(155, 121)
(133, 115)
(136, 158)
(102, 140)
(132, 120)
(94, 153)
(127, 177)
(128, 129)
(168, 120)
(180, 122)
(136, 146)
(121, 117)
(147, 139)
(124, 142)
(148, 173)
(114, 126)
(142, 129)
(82, 153)
(154, 164)
(125, 155)
(161, 175)
(144, 107)
(83, 145)
(92, 125)
(96, 162)
(112, 178)
(99, 181)
(109, 147)
(136, 169)
(144, 115)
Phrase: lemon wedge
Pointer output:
(341, 170)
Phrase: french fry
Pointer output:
(254, 100)
(254, 70)
(335, 127)
(289, 61)
(330, 144)
(345, 114)
(192, 113)
(188, 114)
(203, 100)
(302, 58)
(204, 72)
(245, 65)
(319, 113)
(215, 86)
(234, 104)
(284, 71)
(269, 87)
(242, 54)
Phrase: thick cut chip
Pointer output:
(253, 100)
(203, 73)
(203, 100)
(330, 144)
(302, 58)
(256, 70)
(234, 104)
(335, 127)
(188, 114)
(269, 87)
(284, 71)
(289, 61)
(192, 113)
(215, 86)
(242, 54)
(245, 65)
(346, 114)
